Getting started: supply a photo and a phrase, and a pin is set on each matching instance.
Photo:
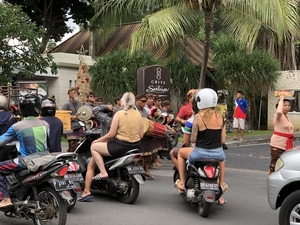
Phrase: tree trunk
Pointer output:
(208, 29)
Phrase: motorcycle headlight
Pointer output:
(279, 164)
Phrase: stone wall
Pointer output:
(289, 80)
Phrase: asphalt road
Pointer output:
(160, 204)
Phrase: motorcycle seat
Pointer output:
(42, 168)
(108, 158)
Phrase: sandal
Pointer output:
(97, 177)
(149, 176)
(180, 190)
(222, 203)
(224, 187)
(158, 164)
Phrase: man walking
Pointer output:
(241, 107)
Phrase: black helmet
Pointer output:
(30, 105)
(48, 107)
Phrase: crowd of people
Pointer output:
(124, 126)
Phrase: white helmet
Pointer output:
(3, 102)
(206, 98)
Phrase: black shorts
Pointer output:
(116, 147)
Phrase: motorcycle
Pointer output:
(40, 196)
(201, 186)
(73, 176)
(124, 177)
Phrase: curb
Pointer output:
(252, 142)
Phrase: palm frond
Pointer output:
(165, 28)
(246, 19)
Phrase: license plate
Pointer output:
(135, 169)
(70, 181)
(61, 185)
(209, 186)
(74, 177)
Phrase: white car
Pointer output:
(284, 187)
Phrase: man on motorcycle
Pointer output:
(6, 120)
(56, 126)
(32, 133)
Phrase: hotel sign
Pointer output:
(155, 80)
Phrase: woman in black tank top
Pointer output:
(209, 134)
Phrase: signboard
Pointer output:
(154, 80)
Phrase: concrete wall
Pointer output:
(289, 80)
(59, 84)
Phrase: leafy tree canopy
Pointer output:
(19, 45)
(52, 16)
(116, 73)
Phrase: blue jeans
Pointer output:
(202, 153)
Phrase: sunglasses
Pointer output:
(143, 101)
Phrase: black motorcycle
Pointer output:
(40, 196)
(201, 185)
(124, 177)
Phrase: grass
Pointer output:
(252, 133)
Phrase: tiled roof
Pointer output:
(121, 37)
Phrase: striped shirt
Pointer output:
(31, 133)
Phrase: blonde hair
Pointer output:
(127, 100)
(208, 113)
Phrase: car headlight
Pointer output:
(279, 164)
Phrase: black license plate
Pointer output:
(209, 186)
(135, 169)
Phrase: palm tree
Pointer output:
(166, 21)
(269, 25)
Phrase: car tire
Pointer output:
(290, 209)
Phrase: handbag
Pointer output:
(35, 160)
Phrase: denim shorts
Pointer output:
(202, 153)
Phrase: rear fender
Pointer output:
(40, 174)
(127, 159)
(210, 193)
(139, 178)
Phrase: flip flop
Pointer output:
(223, 203)
(179, 189)
(97, 177)
(149, 175)
(84, 198)
(224, 187)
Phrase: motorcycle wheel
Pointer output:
(74, 196)
(290, 209)
(55, 207)
(175, 176)
(133, 188)
(204, 208)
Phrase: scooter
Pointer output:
(124, 177)
(73, 177)
(39, 196)
(201, 186)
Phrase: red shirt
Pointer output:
(185, 112)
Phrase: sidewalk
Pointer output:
(248, 140)
(254, 139)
